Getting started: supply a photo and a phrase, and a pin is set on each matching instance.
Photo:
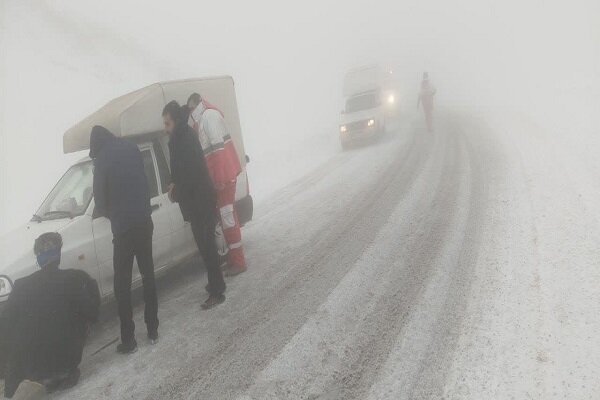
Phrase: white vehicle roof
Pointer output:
(364, 79)
(140, 112)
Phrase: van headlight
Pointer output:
(343, 128)
(5, 287)
(391, 99)
(371, 122)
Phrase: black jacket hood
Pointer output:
(99, 137)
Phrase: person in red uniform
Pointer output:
(224, 167)
(426, 99)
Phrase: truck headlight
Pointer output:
(371, 122)
(5, 287)
(391, 99)
(343, 128)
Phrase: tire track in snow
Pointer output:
(418, 363)
(409, 297)
(316, 353)
(328, 168)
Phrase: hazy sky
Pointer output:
(61, 60)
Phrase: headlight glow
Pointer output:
(391, 99)
(343, 128)
(5, 286)
(371, 122)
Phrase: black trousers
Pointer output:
(136, 242)
(203, 228)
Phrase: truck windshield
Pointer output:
(363, 102)
(71, 195)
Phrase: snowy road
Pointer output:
(396, 271)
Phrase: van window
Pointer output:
(163, 169)
(150, 172)
(363, 102)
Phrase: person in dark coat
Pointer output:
(121, 193)
(193, 189)
(46, 320)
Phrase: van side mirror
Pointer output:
(247, 159)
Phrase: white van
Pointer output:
(370, 100)
(68, 208)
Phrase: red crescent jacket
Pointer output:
(221, 157)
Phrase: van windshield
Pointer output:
(71, 195)
(362, 102)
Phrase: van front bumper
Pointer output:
(359, 135)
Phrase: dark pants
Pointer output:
(136, 242)
(203, 228)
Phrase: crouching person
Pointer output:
(46, 320)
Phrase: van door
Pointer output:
(161, 240)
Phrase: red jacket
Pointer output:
(221, 157)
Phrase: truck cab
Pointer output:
(370, 101)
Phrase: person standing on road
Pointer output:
(192, 188)
(121, 194)
(46, 320)
(426, 99)
(224, 167)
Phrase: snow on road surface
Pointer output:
(458, 265)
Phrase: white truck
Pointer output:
(370, 100)
(68, 209)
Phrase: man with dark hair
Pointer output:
(192, 188)
(46, 320)
(121, 194)
(224, 167)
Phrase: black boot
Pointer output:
(127, 348)
(213, 301)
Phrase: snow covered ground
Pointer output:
(532, 322)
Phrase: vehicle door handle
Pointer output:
(155, 207)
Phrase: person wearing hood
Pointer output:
(121, 193)
(46, 320)
(193, 189)
(426, 99)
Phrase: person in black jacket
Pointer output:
(46, 320)
(193, 189)
(121, 193)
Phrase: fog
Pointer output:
(61, 60)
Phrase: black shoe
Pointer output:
(62, 381)
(71, 380)
(53, 384)
(213, 301)
(153, 336)
(127, 348)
